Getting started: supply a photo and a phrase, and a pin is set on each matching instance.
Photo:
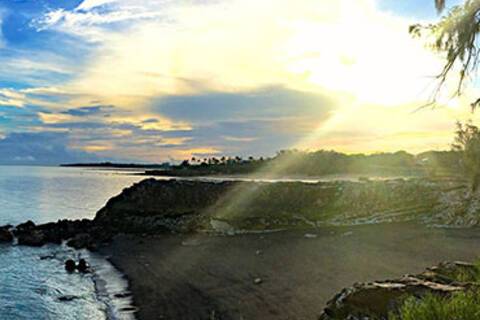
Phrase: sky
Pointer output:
(165, 80)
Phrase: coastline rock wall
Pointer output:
(232, 206)
(229, 207)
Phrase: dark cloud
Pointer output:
(266, 103)
(45, 148)
(89, 110)
(254, 123)
(257, 123)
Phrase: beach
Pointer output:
(282, 275)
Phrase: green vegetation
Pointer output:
(318, 163)
(458, 306)
(454, 36)
(464, 274)
(467, 142)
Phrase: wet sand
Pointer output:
(213, 277)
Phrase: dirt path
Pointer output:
(207, 277)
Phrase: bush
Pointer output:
(458, 306)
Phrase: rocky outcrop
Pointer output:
(375, 300)
(82, 240)
(5, 234)
(30, 234)
(153, 206)
(458, 206)
(229, 207)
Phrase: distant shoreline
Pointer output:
(115, 165)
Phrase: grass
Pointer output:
(466, 275)
(458, 306)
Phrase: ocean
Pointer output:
(33, 281)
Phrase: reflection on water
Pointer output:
(45, 194)
(33, 281)
(35, 285)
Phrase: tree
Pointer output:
(455, 36)
(185, 163)
(440, 5)
(467, 141)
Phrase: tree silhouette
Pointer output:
(454, 36)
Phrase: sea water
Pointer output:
(33, 281)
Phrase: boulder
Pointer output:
(37, 235)
(81, 240)
(34, 238)
(70, 265)
(26, 226)
(5, 234)
(83, 266)
(375, 300)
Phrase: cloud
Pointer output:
(93, 20)
(39, 148)
(192, 47)
(265, 103)
(89, 110)
(11, 98)
(90, 4)
(152, 80)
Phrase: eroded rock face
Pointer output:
(153, 206)
(230, 207)
(376, 300)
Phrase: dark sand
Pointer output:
(212, 277)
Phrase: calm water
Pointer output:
(33, 282)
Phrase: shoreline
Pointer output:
(205, 250)
(111, 288)
(197, 276)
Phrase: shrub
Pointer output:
(458, 306)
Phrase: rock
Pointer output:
(70, 265)
(51, 232)
(82, 266)
(26, 226)
(28, 235)
(377, 299)
(178, 206)
(257, 281)
(258, 252)
(134, 309)
(222, 227)
(81, 240)
(310, 236)
(5, 234)
(34, 238)
(67, 298)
